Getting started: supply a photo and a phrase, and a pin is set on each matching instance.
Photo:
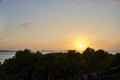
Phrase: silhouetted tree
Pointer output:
(72, 65)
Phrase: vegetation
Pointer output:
(72, 65)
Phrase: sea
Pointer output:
(7, 55)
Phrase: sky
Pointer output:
(59, 24)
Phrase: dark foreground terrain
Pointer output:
(90, 65)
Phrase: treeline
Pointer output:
(72, 65)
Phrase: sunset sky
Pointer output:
(59, 24)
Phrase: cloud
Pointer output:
(90, 3)
(111, 3)
(27, 25)
(115, 0)
(117, 42)
(87, 4)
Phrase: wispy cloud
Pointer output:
(115, 0)
(90, 3)
(27, 25)
(87, 3)
(117, 42)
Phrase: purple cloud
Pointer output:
(87, 4)
(116, 0)
(27, 25)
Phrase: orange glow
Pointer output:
(81, 44)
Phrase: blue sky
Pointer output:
(58, 24)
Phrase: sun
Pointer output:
(81, 45)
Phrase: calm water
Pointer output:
(6, 55)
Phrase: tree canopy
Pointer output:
(71, 65)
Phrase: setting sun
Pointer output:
(81, 46)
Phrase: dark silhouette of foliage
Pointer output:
(72, 65)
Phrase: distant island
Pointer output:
(7, 50)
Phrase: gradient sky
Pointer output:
(59, 24)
